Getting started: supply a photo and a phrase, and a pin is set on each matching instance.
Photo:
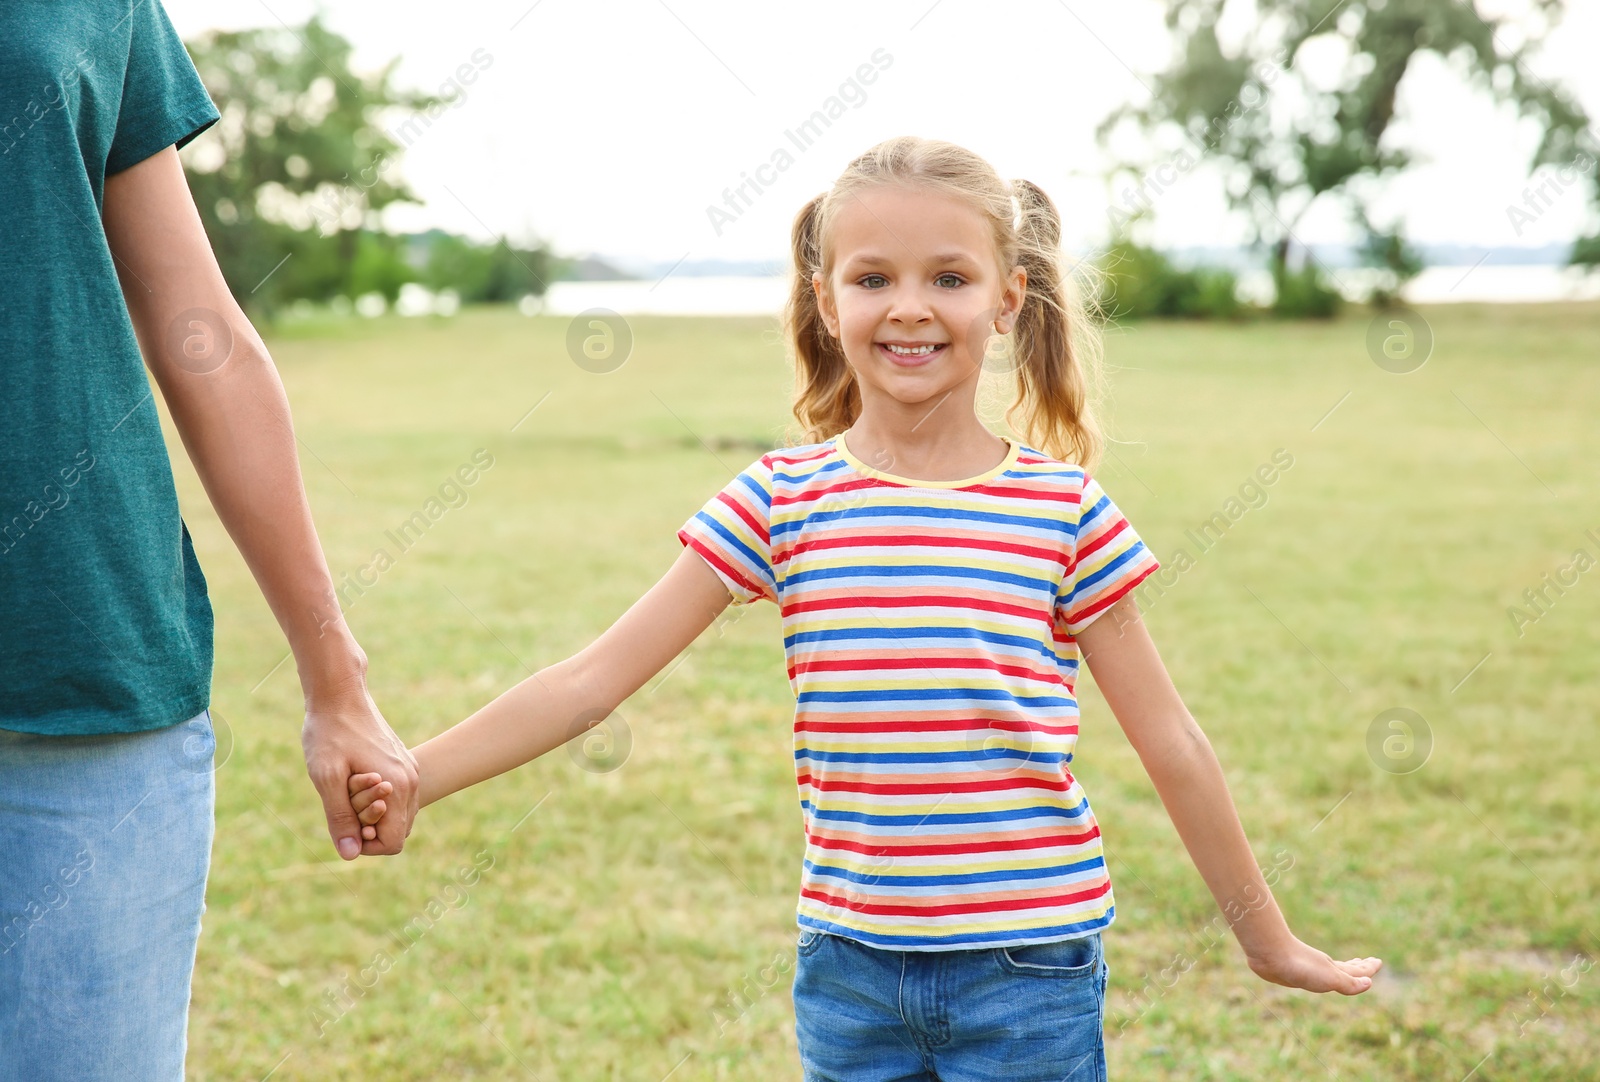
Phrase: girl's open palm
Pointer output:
(1301, 965)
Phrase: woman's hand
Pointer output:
(1300, 965)
(345, 735)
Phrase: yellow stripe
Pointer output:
(888, 871)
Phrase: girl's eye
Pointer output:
(949, 280)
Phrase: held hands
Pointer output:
(1300, 965)
(346, 735)
(366, 797)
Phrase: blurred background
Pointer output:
(1419, 140)
(1359, 236)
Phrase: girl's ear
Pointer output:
(830, 318)
(1011, 298)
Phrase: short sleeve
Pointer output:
(1108, 560)
(164, 103)
(732, 534)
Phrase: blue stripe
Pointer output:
(976, 757)
(885, 879)
(747, 481)
(936, 572)
(930, 695)
(1084, 587)
(818, 469)
(1042, 811)
(945, 514)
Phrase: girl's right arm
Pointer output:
(542, 711)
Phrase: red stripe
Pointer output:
(793, 457)
(1102, 539)
(875, 663)
(813, 493)
(1043, 493)
(908, 789)
(943, 725)
(991, 906)
(757, 526)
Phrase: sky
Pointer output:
(613, 127)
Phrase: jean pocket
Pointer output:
(808, 942)
(1067, 958)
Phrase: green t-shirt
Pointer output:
(107, 627)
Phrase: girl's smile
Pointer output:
(910, 354)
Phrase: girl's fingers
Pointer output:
(360, 800)
(369, 833)
(359, 782)
(1356, 974)
(372, 813)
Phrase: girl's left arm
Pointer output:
(1187, 776)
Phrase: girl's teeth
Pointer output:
(918, 351)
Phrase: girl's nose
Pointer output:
(909, 307)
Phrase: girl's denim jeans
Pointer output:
(864, 1014)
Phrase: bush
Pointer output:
(1141, 283)
(485, 273)
(1302, 294)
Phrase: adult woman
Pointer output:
(105, 662)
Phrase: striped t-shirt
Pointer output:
(929, 628)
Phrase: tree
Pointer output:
(485, 273)
(295, 171)
(1284, 142)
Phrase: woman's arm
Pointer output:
(231, 411)
(1188, 778)
(556, 703)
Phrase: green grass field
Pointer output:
(639, 923)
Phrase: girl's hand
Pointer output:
(1299, 965)
(366, 793)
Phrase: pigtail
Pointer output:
(1056, 345)
(827, 400)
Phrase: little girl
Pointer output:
(938, 586)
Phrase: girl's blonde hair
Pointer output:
(1056, 345)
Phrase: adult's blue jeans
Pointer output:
(105, 842)
(1022, 1014)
